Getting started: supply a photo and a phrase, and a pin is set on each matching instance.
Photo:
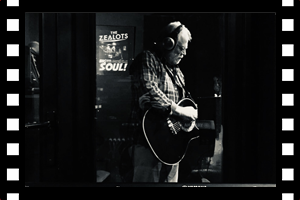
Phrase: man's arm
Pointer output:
(188, 113)
(148, 80)
(155, 96)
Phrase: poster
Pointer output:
(114, 46)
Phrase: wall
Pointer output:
(31, 27)
(124, 19)
(113, 99)
(32, 142)
(249, 98)
(67, 48)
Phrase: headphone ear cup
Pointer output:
(168, 43)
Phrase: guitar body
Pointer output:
(167, 136)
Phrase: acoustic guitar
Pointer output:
(169, 136)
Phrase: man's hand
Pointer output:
(143, 100)
(187, 113)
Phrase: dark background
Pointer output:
(237, 47)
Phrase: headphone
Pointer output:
(169, 42)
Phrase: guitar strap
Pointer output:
(172, 76)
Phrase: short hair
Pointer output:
(167, 30)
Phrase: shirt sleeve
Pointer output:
(149, 80)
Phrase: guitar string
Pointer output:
(176, 126)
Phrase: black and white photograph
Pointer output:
(150, 99)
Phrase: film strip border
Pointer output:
(10, 65)
(10, 142)
(288, 65)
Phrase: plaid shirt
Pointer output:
(150, 79)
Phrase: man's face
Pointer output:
(174, 57)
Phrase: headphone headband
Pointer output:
(176, 31)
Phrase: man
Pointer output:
(158, 82)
